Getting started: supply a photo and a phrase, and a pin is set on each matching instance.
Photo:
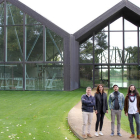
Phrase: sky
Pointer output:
(72, 15)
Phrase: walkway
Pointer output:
(75, 123)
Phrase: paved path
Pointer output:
(75, 123)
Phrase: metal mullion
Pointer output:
(93, 61)
(44, 43)
(109, 55)
(138, 39)
(24, 51)
(123, 42)
(5, 31)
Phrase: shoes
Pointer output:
(119, 134)
(96, 134)
(112, 134)
(138, 136)
(89, 135)
(133, 136)
(84, 136)
(100, 133)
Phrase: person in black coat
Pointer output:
(101, 107)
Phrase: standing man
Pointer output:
(132, 109)
(116, 105)
(88, 101)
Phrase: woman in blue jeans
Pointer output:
(101, 107)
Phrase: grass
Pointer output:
(40, 115)
(124, 119)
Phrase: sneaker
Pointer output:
(100, 133)
(112, 134)
(84, 136)
(119, 134)
(96, 134)
(89, 135)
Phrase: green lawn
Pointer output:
(40, 115)
(124, 119)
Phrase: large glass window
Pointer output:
(86, 51)
(1, 43)
(14, 43)
(34, 44)
(116, 47)
(11, 77)
(30, 20)
(54, 46)
(14, 15)
(101, 48)
(101, 75)
(129, 26)
(131, 48)
(44, 77)
(2, 14)
(116, 25)
(86, 75)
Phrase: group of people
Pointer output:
(117, 102)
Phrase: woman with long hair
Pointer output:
(132, 109)
(101, 107)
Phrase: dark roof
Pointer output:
(38, 17)
(124, 9)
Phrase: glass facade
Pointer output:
(115, 58)
(31, 55)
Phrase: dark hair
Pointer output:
(135, 91)
(97, 90)
(115, 85)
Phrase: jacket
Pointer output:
(87, 103)
(120, 100)
(98, 101)
(126, 103)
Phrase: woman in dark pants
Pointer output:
(101, 107)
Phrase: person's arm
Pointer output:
(109, 101)
(123, 102)
(92, 103)
(106, 104)
(125, 109)
(84, 101)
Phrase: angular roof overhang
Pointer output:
(123, 9)
(38, 17)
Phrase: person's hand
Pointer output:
(126, 114)
(96, 112)
(106, 111)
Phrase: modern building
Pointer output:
(36, 54)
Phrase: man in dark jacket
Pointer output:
(88, 101)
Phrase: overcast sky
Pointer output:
(72, 15)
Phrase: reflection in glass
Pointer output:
(131, 49)
(101, 48)
(86, 76)
(34, 44)
(86, 51)
(116, 76)
(14, 43)
(129, 26)
(14, 15)
(1, 43)
(54, 46)
(101, 75)
(116, 47)
(116, 25)
(133, 75)
(2, 14)
(30, 20)
(11, 77)
(44, 77)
